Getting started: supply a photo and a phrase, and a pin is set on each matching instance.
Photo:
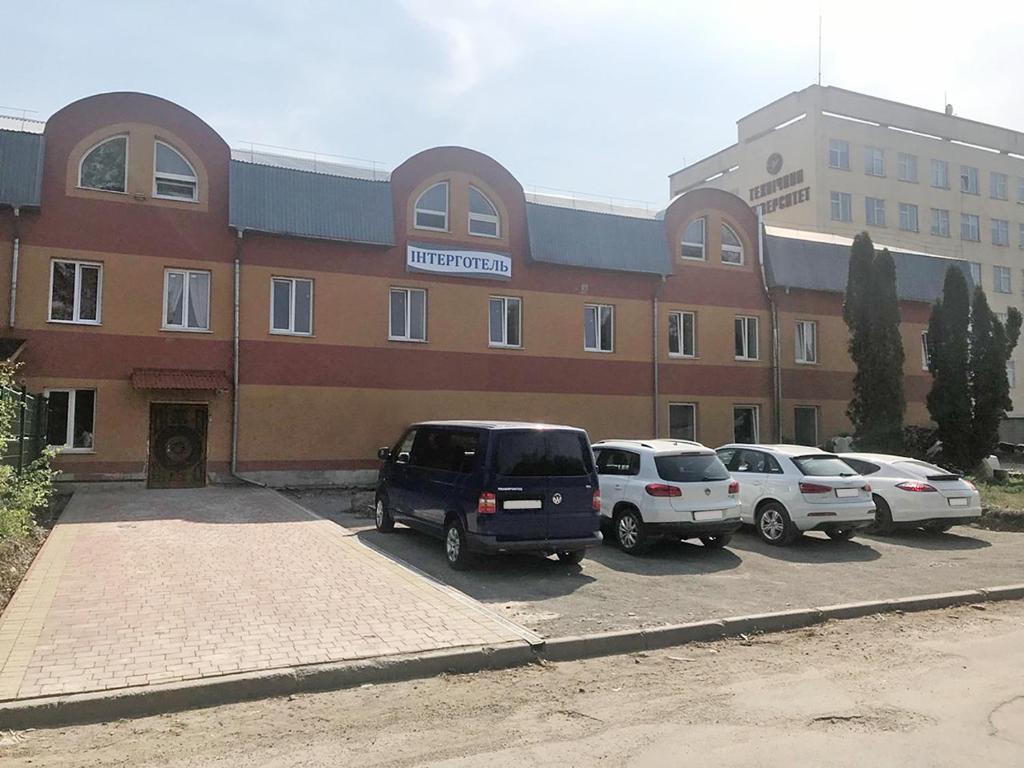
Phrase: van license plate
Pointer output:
(846, 493)
(958, 502)
(708, 514)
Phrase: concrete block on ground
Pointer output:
(680, 634)
(940, 600)
(1008, 592)
(771, 622)
(856, 610)
(601, 644)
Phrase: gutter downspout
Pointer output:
(776, 361)
(15, 251)
(654, 358)
(234, 378)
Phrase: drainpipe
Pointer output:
(654, 357)
(15, 250)
(776, 360)
(234, 378)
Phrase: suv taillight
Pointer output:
(595, 501)
(487, 504)
(662, 490)
(734, 487)
(814, 488)
(915, 487)
(866, 487)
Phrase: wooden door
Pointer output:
(177, 445)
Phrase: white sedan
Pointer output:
(915, 494)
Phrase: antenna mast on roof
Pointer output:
(819, 44)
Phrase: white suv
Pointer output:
(665, 488)
(788, 489)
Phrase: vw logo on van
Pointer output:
(556, 499)
(707, 491)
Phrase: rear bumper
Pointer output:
(960, 519)
(690, 530)
(824, 517)
(490, 545)
(831, 524)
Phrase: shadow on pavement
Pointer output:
(809, 548)
(667, 557)
(921, 539)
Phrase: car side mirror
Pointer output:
(403, 458)
(383, 454)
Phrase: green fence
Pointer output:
(28, 427)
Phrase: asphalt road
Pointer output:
(679, 582)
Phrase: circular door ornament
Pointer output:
(557, 498)
(774, 164)
(177, 448)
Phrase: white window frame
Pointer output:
(907, 167)
(1000, 232)
(703, 245)
(185, 327)
(845, 203)
(994, 188)
(503, 344)
(1011, 373)
(925, 353)
(69, 447)
(483, 217)
(933, 172)
(937, 220)
(976, 272)
(801, 350)
(756, 409)
(681, 353)
(841, 148)
(874, 161)
(292, 282)
(967, 174)
(176, 178)
(406, 332)
(693, 410)
(1020, 189)
(596, 308)
(745, 336)
(871, 219)
(1021, 234)
(447, 207)
(910, 208)
(127, 157)
(976, 220)
(76, 312)
(817, 421)
(727, 248)
(1002, 276)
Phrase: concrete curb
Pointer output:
(57, 711)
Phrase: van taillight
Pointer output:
(487, 504)
(661, 490)
(595, 501)
(814, 488)
(734, 487)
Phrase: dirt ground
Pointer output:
(931, 689)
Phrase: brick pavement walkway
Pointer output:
(136, 586)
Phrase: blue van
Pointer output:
(489, 487)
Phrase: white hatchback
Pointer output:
(915, 494)
(654, 489)
(788, 489)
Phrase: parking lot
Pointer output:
(679, 582)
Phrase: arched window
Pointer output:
(174, 178)
(105, 166)
(483, 216)
(432, 208)
(693, 240)
(732, 248)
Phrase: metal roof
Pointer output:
(577, 238)
(291, 202)
(813, 265)
(21, 168)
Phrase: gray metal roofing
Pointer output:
(290, 202)
(577, 238)
(818, 266)
(21, 168)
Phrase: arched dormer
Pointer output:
(713, 228)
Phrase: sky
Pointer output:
(596, 97)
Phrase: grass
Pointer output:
(1003, 504)
(18, 552)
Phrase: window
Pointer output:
(682, 335)
(908, 217)
(1001, 279)
(483, 216)
(969, 179)
(746, 338)
(940, 174)
(614, 461)
(432, 208)
(408, 314)
(1020, 189)
(1021, 235)
(542, 453)
(174, 178)
(925, 352)
(105, 166)
(691, 468)
(732, 249)
(447, 450)
(874, 161)
(1000, 232)
(693, 240)
(997, 187)
(745, 427)
(805, 425)
(976, 272)
(940, 222)
(862, 467)
(186, 300)
(907, 167)
(70, 414)
(505, 317)
(1011, 373)
(598, 327)
(682, 421)
(839, 154)
(874, 211)
(806, 341)
(75, 292)
(969, 227)
(841, 206)
(291, 305)
(746, 460)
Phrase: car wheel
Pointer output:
(716, 542)
(840, 534)
(382, 516)
(455, 546)
(575, 557)
(774, 526)
(937, 527)
(629, 532)
(883, 516)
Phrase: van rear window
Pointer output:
(542, 453)
(691, 468)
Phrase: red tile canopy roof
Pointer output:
(178, 378)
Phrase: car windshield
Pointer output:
(691, 468)
(823, 465)
(542, 453)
